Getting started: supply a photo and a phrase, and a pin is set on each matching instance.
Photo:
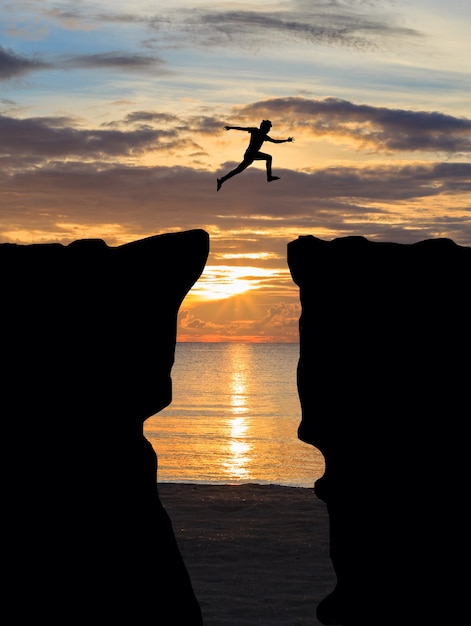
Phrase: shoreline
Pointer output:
(256, 554)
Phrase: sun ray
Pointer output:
(224, 281)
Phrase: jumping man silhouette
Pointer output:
(257, 137)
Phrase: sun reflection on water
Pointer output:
(237, 464)
(233, 418)
(238, 393)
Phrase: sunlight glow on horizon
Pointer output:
(223, 281)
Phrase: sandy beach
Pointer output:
(256, 554)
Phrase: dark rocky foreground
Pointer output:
(89, 337)
(384, 383)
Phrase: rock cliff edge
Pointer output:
(88, 344)
(384, 383)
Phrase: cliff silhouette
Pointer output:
(89, 336)
(384, 385)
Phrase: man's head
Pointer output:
(265, 126)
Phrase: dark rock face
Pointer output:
(384, 383)
(88, 345)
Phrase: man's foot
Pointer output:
(270, 178)
(219, 184)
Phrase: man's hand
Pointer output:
(290, 139)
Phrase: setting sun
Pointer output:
(224, 281)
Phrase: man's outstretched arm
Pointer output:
(290, 139)
(248, 129)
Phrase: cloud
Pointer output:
(14, 65)
(53, 172)
(203, 124)
(319, 22)
(114, 60)
(283, 315)
(280, 323)
(49, 137)
(254, 217)
(152, 117)
(390, 183)
(357, 24)
(374, 128)
(368, 128)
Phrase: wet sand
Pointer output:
(256, 554)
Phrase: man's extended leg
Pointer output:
(240, 168)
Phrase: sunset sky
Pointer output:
(112, 120)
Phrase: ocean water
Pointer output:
(233, 418)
